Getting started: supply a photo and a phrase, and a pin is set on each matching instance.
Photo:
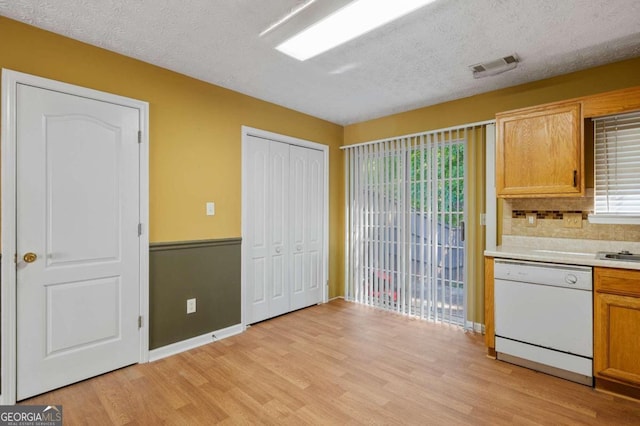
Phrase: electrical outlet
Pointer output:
(211, 208)
(191, 306)
(572, 220)
(532, 219)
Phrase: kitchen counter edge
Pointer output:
(560, 257)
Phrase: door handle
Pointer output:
(299, 247)
(278, 249)
(30, 257)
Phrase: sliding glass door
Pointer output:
(406, 216)
(437, 215)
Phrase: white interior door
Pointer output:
(306, 222)
(78, 281)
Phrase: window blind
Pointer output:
(617, 165)
(405, 204)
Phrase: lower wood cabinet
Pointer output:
(616, 356)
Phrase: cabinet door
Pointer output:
(617, 338)
(539, 152)
(617, 326)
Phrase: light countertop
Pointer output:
(562, 250)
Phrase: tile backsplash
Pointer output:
(549, 213)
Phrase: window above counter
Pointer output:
(617, 169)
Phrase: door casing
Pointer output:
(250, 131)
(10, 80)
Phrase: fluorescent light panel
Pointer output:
(288, 16)
(353, 20)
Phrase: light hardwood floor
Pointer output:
(338, 363)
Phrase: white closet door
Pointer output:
(257, 264)
(267, 208)
(280, 298)
(307, 167)
(283, 203)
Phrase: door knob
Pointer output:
(299, 247)
(29, 257)
(278, 249)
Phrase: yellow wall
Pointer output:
(195, 134)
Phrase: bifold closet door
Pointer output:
(306, 226)
(267, 213)
(285, 229)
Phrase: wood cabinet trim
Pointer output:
(614, 102)
(600, 104)
(612, 386)
(538, 110)
(489, 324)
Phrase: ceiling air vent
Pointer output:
(496, 67)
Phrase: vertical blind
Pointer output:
(405, 218)
(617, 164)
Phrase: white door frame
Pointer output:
(10, 81)
(250, 131)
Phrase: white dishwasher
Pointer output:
(544, 317)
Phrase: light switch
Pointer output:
(211, 208)
(532, 219)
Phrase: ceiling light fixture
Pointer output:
(353, 20)
(293, 12)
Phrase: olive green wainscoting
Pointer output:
(207, 270)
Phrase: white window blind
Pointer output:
(406, 206)
(617, 165)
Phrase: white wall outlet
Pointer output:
(532, 219)
(211, 208)
(191, 306)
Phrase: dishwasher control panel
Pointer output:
(551, 274)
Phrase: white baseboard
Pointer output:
(475, 326)
(336, 298)
(194, 342)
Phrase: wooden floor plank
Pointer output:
(337, 363)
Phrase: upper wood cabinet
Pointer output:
(539, 152)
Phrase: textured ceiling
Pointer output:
(419, 60)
